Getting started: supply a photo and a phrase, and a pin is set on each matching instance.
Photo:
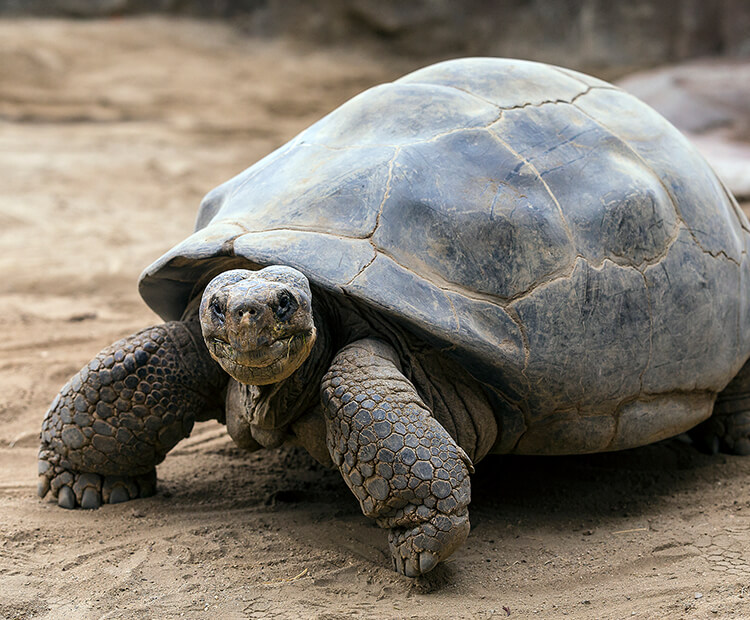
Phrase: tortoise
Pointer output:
(484, 256)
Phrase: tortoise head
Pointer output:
(258, 324)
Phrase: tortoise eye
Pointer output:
(286, 304)
(217, 311)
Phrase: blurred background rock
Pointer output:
(601, 36)
(705, 45)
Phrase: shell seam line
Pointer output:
(463, 90)
(563, 71)
(544, 184)
(524, 105)
(650, 331)
(504, 302)
(555, 101)
(718, 254)
(386, 194)
(567, 274)
(316, 231)
(738, 212)
(359, 273)
(655, 260)
(501, 109)
(446, 287)
(677, 211)
(450, 132)
(513, 314)
(451, 287)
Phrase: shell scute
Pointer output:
(376, 117)
(466, 210)
(698, 195)
(616, 207)
(504, 82)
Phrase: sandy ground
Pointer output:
(110, 133)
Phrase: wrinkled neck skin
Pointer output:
(338, 322)
(268, 411)
(290, 410)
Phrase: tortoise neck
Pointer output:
(277, 405)
(316, 365)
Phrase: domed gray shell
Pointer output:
(550, 231)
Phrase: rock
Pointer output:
(730, 160)
(709, 101)
(592, 35)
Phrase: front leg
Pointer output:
(117, 418)
(404, 468)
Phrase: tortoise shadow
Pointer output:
(601, 487)
(560, 492)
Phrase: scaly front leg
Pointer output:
(402, 465)
(117, 418)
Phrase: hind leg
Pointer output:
(728, 429)
(117, 418)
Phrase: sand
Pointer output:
(110, 133)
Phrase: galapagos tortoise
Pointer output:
(485, 255)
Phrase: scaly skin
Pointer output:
(121, 414)
(401, 464)
(728, 429)
(117, 418)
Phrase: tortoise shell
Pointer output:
(555, 235)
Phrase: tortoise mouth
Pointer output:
(267, 364)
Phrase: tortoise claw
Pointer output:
(91, 499)
(89, 491)
(427, 561)
(418, 550)
(42, 487)
(118, 495)
(66, 498)
(410, 568)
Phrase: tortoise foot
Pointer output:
(419, 549)
(724, 433)
(88, 490)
